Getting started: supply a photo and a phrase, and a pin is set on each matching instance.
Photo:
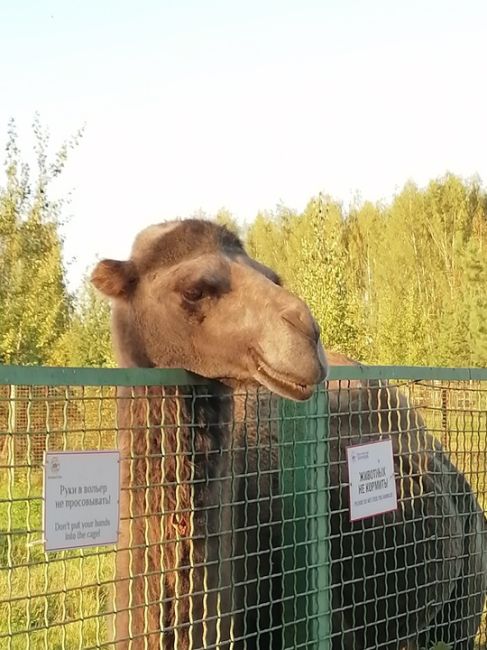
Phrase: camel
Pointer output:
(198, 562)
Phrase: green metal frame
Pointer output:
(51, 376)
(306, 579)
(46, 376)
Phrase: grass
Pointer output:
(57, 601)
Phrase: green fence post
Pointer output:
(306, 557)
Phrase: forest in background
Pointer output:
(397, 283)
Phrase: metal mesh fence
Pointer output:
(235, 526)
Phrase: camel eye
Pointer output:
(193, 294)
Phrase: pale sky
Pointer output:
(202, 104)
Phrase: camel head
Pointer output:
(190, 297)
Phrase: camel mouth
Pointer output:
(280, 384)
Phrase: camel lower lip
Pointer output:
(280, 384)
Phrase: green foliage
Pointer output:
(34, 303)
(40, 322)
(87, 339)
(322, 278)
(274, 238)
(397, 284)
(403, 283)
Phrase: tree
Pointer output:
(34, 302)
(323, 278)
(399, 283)
(87, 340)
(272, 240)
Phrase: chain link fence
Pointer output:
(235, 526)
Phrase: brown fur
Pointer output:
(417, 574)
(115, 278)
(166, 469)
(200, 475)
(192, 237)
(191, 480)
(175, 473)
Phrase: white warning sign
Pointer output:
(81, 499)
(372, 481)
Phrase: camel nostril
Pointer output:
(301, 320)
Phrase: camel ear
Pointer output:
(114, 278)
